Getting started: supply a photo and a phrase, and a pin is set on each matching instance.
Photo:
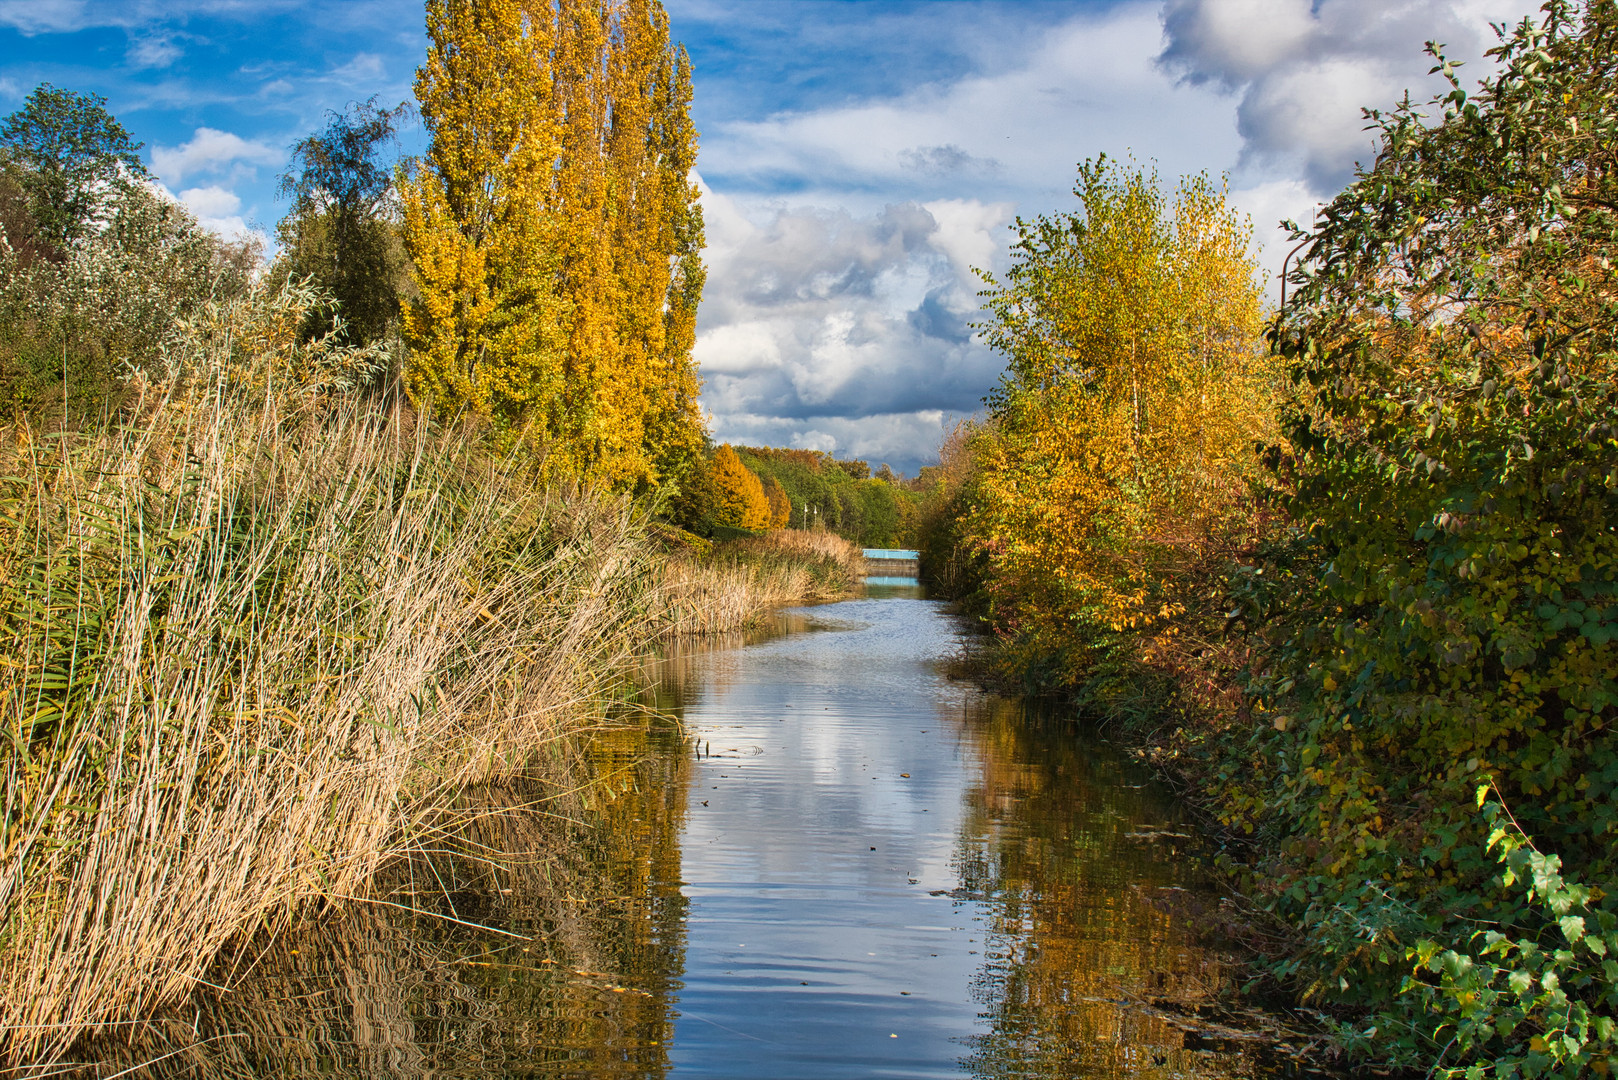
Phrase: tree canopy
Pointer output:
(340, 229)
(1125, 423)
(555, 233)
(72, 152)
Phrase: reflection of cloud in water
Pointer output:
(855, 849)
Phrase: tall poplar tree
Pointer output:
(484, 330)
(559, 293)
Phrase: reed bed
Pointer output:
(249, 632)
(259, 628)
(375, 989)
(744, 580)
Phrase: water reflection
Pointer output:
(809, 854)
(563, 959)
(1072, 851)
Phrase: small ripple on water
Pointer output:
(860, 869)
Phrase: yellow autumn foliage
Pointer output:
(780, 503)
(555, 233)
(1123, 430)
(742, 503)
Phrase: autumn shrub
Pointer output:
(1114, 475)
(1443, 615)
(952, 568)
(740, 500)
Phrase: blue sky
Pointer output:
(859, 157)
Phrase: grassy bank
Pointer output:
(257, 627)
(739, 581)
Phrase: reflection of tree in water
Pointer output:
(1063, 852)
(374, 990)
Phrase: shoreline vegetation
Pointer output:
(297, 553)
(260, 628)
(1362, 610)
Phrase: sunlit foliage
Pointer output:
(340, 231)
(741, 501)
(841, 496)
(1446, 613)
(555, 234)
(1122, 434)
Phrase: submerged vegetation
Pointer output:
(1353, 584)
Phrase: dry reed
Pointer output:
(259, 630)
(744, 580)
(246, 635)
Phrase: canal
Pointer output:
(805, 855)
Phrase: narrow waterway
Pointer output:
(815, 857)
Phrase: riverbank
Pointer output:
(256, 639)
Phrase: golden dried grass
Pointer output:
(247, 638)
(744, 580)
(258, 631)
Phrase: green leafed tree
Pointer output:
(1447, 613)
(69, 154)
(341, 229)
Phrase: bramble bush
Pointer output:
(1444, 608)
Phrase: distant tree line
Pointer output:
(757, 488)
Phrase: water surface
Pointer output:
(815, 856)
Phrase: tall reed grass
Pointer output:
(259, 628)
(246, 633)
(743, 580)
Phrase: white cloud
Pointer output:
(1090, 86)
(216, 208)
(43, 16)
(1303, 71)
(1267, 204)
(210, 202)
(822, 325)
(153, 51)
(365, 69)
(841, 250)
(210, 151)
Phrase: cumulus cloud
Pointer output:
(840, 295)
(1086, 85)
(1303, 70)
(210, 151)
(906, 441)
(945, 161)
(834, 331)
